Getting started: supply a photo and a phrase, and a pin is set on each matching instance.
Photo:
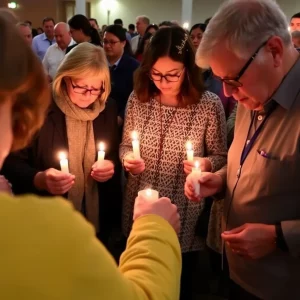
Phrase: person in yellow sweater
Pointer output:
(47, 249)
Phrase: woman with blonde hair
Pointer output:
(47, 250)
(80, 118)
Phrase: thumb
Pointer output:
(235, 230)
(206, 177)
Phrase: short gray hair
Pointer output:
(144, 18)
(63, 24)
(23, 24)
(243, 25)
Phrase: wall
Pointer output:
(34, 10)
(159, 10)
(128, 10)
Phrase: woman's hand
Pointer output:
(54, 181)
(133, 165)
(204, 165)
(102, 171)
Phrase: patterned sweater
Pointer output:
(163, 133)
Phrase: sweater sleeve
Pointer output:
(126, 145)
(150, 267)
(51, 252)
(216, 137)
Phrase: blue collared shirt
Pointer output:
(116, 63)
(40, 45)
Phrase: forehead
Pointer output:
(48, 23)
(166, 64)
(25, 29)
(196, 31)
(295, 20)
(88, 80)
(109, 35)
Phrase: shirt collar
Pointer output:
(116, 63)
(289, 87)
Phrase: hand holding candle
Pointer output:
(133, 165)
(136, 145)
(101, 152)
(161, 207)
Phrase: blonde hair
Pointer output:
(84, 60)
(23, 82)
(243, 25)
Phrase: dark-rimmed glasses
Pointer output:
(234, 82)
(111, 43)
(81, 90)
(168, 77)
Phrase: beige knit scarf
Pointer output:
(82, 154)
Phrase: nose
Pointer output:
(229, 90)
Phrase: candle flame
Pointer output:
(197, 164)
(101, 146)
(189, 146)
(148, 192)
(62, 155)
(134, 135)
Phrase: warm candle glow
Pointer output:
(62, 155)
(63, 161)
(101, 146)
(197, 164)
(149, 192)
(134, 135)
(189, 146)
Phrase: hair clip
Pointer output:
(180, 48)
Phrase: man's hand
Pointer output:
(251, 241)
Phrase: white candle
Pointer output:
(64, 164)
(149, 194)
(189, 151)
(101, 152)
(196, 174)
(136, 145)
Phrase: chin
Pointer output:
(84, 104)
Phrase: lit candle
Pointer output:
(149, 194)
(196, 174)
(136, 145)
(101, 152)
(64, 164)
(189, 151)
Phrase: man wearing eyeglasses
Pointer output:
(259, 66)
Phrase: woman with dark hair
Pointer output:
(152, 28)
(143, 46)
(196, 34)
(169, 106)
(122, 66)
(82, 31)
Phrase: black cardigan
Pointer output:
(21, 167)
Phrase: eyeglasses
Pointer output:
(81, 90)
(234, 82)
(111, 43)
(168, 77)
